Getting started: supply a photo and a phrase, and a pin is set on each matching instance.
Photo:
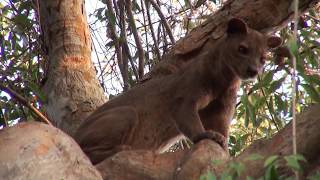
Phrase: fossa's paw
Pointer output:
(213, 135)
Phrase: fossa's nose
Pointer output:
(252, 72)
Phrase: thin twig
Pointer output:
(4, 118)
(123, 35)
(163, 20)
(136, 38)
(25, 102)
(168, 17)
(146, 34)
(156, 46)
(115, 37)
(102, 74)
(312, 17)
(164, 37)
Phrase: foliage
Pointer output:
(20, 67)
(272, 167)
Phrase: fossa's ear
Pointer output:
(236, 25)
(274, 41)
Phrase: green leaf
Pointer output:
(211, 176)
(37, 91)
(276, 84)
(244, 100)
(270, 160)
(226, 176)
(279, 103)
(250, 112)
(135, 7)
(313, 93)
(293, 161)
(271, 173)
(312, 79)
(292, 44)
(21, 20)
(264, 82)
(268, 78)
(111, 17)
(249, 178)
(246, 120)
(203, 177)
(208, 176)
(216, 162)
(186, 2)
(254, 157)
(237, 167)
(260, 102)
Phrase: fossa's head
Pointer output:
(245, 49)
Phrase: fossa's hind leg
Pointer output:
(106, 132)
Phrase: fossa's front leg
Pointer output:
(188, 122)
(218, 115)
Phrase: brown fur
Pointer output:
(197, 101)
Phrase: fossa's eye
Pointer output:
(243, 49)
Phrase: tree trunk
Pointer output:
(190, 164)
(71, 88)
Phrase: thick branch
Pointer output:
(308, 140)
(197, 161)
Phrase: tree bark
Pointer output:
(37, 151)
(71, 88)
(190, 164)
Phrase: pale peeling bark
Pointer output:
(192, 163)
(37, 151)
(72, 89)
